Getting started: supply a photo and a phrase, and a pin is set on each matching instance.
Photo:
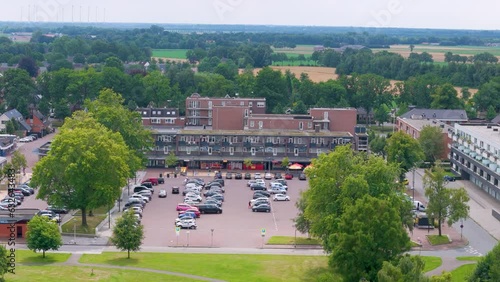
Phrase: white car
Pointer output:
(135, 209)
(257, 176)
(259, 199)
(190, 202)
(276, 190)
(192, 197)
(139, 196)
(25, 140)
(281, 197)
(189, 223)
(268, 176)
(279, 185)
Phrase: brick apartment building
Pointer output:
(220, 133)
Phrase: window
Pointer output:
(252, 123)
(296, 151)
(242, 103)
(261, 123)
(209, 113)
(252, 150)
(154, 112)
(235, 139)
(261, 104)
(319, 151)
(250, 104)
(165, 150)
(325, 115)
(169, 121)
(309, 125)
(209, 104)
(209, 150)
(290, 140)
(301, 125)
(275, 151)
(223, 103)
(173, 112)
(231, 151)
(246, 112)
(155, 120)
(144, 113)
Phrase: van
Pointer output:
(417, 205)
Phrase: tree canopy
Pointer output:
(127, 233)
(431, 141)
(43, 235)
(404, 151)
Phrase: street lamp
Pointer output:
(74, 230)
(212, 238)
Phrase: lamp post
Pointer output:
(295, 239)
(74, 230)
(109, 217)
(413, 182)
(212, 238)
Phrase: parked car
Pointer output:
(141, 188)
(268, 176)
(191, 202)
(302, 176)
(248, 176)
(250, 182)
(194, 210)
(154, 180)
(162, 193)
(161, 180)
(185, 215)
(175, 190)
(135, 209)
(218, 175)
(25, 140)
(194, 198)
(129, 205)
(11, 200)
(449, 178)
(191, 191)
(229, 175)
(139, 196)
(257, 186)
(186, 223)
(218, 197)
(262, 208)
(262, 194)
(211, 193)
(282, 181)
(27, 187)
(55, 209)
(209, 208)
(266, 199)
(217, 188)
(183, 207)
(145, 193)
(279, 185)
(23, 191)
(147, 184)
(51, 215)
(135, 201)
(277, 175)
(259, 202)
(288, 176)
(238, 176)
(257, 176)
(281, 197)
(212, 202)
(277, 190)
(220, 181)
(211, 184)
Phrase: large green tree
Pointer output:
(403, 150)
(488, 95)
(444, 203)
(369, 233)
(157, 88)
(5, 264)
(85, 168)
(43, 235)
(17, 86)
(488, 268)
(127, 233)
(406, 269)
(431, 141)
(109, 110)
(446, 97)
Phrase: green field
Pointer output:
(170, 53)
(295, 63)
(462, 50)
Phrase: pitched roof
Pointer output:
(15, 114)
(496, 120)
(439, 114)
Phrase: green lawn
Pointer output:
(289, 240)
(170, 53)
(92, 222)
(462, 273)
(78, 273)
(27, 256)
(438, 240)
(226, 267)
(431, 263)
(471, 258)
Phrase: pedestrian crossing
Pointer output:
(472, 251)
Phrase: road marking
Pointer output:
(274, 217)
(471, 250)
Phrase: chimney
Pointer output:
(316, 128)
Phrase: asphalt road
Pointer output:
(236, 227)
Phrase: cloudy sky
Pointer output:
(457, 14)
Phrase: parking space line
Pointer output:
(274, 217)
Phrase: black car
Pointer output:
(302, 176)
(209, 208)
(147, 184)
(257, 186)
(175, 190)
(217, 197)
(248, 176)
(211, 193)
(220, 181)
(25, 192)
(263, 193)
(229, 175)
(262, 208)
(134, 201)
(161, 180)
(218, 175)
(212, 184)
(277, 175)
(57, 209)
(238, 176)
(449, 178)
(211, 202)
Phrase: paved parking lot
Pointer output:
(237, 226)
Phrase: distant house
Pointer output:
(17, 116)
(496, 120)
(39, 124)
(447, 116)
(319, 48)
(7, 146)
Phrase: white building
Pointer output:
(475, 155)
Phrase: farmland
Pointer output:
(316, 74)
(438, 52)
(170, 53)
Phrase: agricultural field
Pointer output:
(316, 74)
(170, 54)
(299, 49)
(438, 52)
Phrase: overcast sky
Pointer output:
(457, 14)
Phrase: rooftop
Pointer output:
(266, 133)
(482, 132)
(420, 123)
(439, 114)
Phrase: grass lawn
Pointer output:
(471, 258)
(431, 263)
(101, 210)
(414, 244)
(438, 240)
(27, 256)
(92, 222)
(225, 267)
(289, 240)
(462, 273)
(77, 273)
(170, 53)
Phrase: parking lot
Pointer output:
(237, 226)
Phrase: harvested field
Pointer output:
(438, 52)
(316, 74)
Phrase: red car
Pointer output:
(184, 207)
(288, 176)
(193, 210)
(153, 180)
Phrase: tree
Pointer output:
(378, 144)
(171, 159)
(285, 162)
(488, 268)
(299, 108)
(491, 113)
(411, 48)
(404, 151)
(43, 235)
(247, 162)
(28, 64)
(157, 88)
(11, 126)
(4, 261)
(17, 85)
(431, 141)
(408, 269)
(382, 114)
(302, 224)
(114, 62)
(444, 203)
(369, 233)
(109, 110)
(488, 94)
(18, 161)
(85, 168)
(127, 233)
(445, 97)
